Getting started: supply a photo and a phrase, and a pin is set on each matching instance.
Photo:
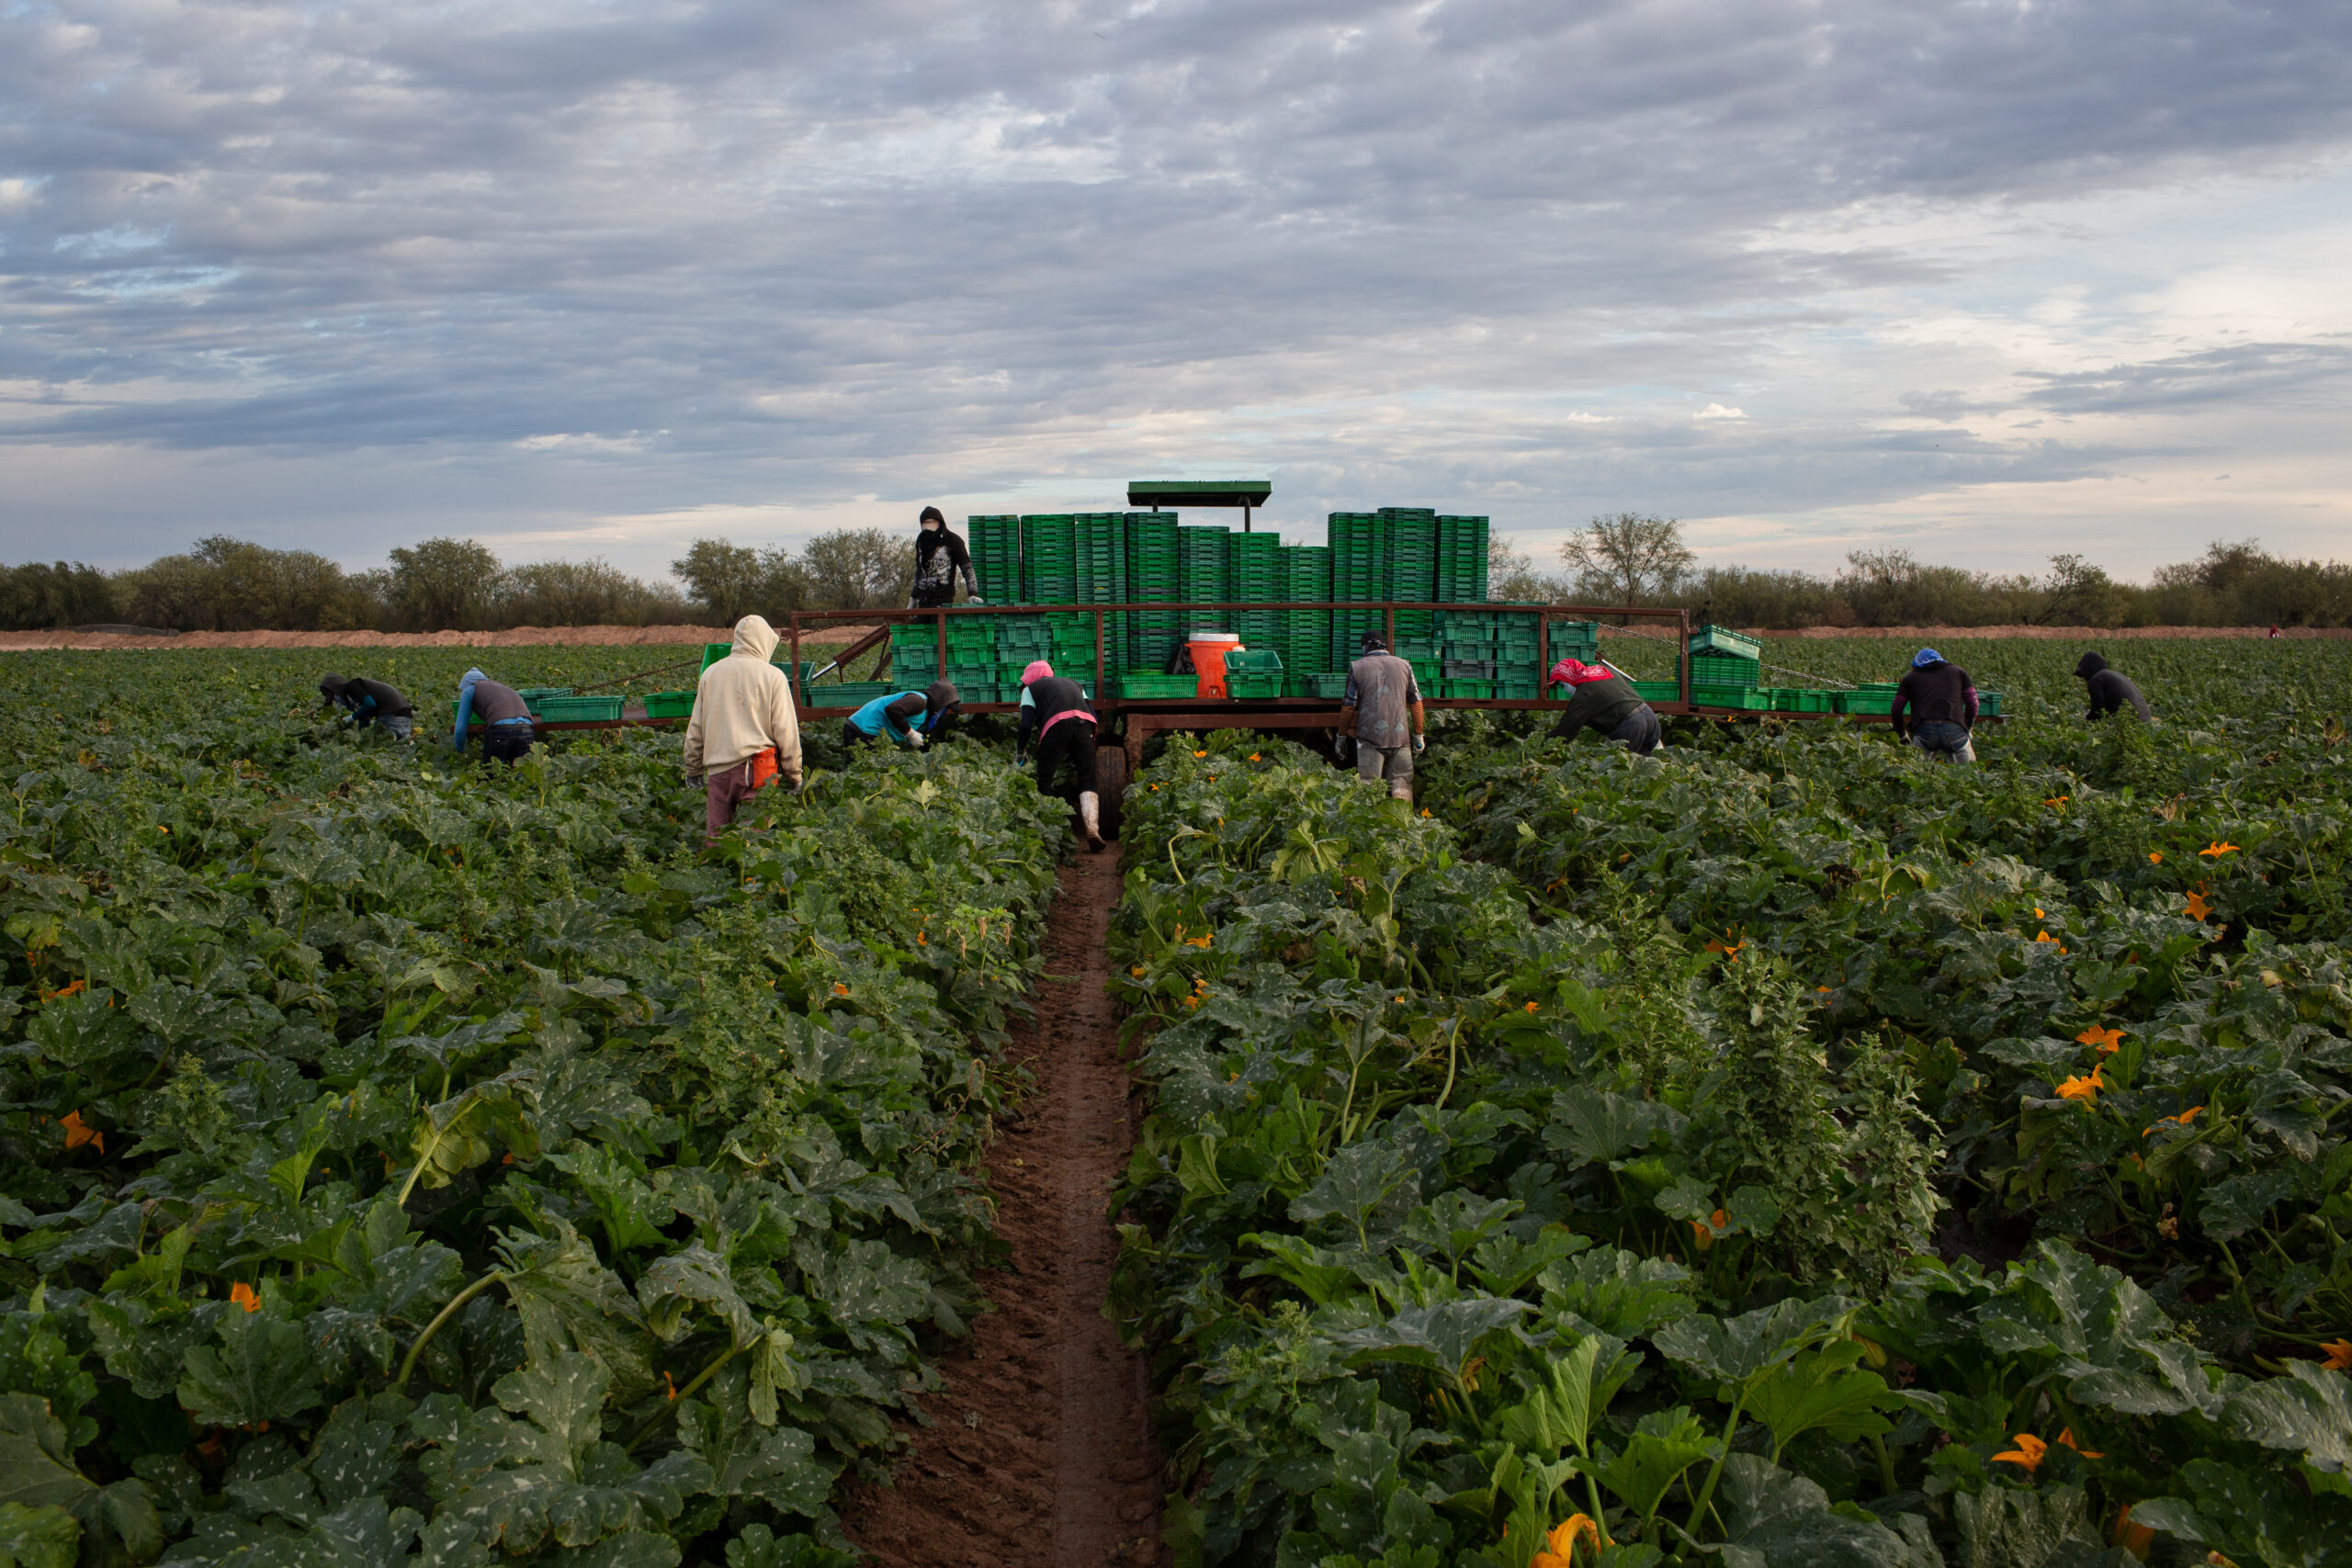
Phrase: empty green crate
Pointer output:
(1722, 639)
(1480, 689)
(1797, 699)
(1517, 691)
(1724, 669)
(1253, 686)
(712, 652)
(1136, 685)
(1747, 698)
(849, 694)
(578, 710)
(669, 705)
(1988, 704)
(1659, 691)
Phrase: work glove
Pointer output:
(976, 599)
(1420, 744)
(1344, 748)
(1019, 761)
(916, 739)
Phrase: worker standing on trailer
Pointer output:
(367, 702)
(911, 719)
(745, 732)
(940, 555)
(506, 732)
(2110, 689)
(1607, 701)
(1381, 717)
(1942, 703)
(1055, 708)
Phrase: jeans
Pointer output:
(1639, 730)
(1068, 747)
(1944, 741)
(506, 742)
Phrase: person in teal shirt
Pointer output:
(909, 718)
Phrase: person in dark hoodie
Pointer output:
(365, 701)
(505, 722)
(1942, 703)
(1607, 701)
(2110, 689)
(940, 555)
(911, 719)
(1055, 708)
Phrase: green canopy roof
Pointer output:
(1199, 492)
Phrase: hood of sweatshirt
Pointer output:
(939, 696)
(755, 637)
(330, 687)
(2091, 665)
(469, 680)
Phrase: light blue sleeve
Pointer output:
(465, 712)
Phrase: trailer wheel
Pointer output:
(1110, 783)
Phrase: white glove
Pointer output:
(1420, 743)
(916, 739)
(976, 599)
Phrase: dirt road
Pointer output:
(1040, 1454)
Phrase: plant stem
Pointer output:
(669, 1406)
(1706, 1492)
(408, 1363)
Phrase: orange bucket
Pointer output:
(1208, 650)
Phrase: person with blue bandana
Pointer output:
(505, 723)
(911, 719)
(1942, 703)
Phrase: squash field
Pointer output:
(1781, 1152)
(413, 1164)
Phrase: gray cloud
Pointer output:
(811, 251)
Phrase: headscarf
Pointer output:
(331, 688)
(1038, 671)
(1575, 672)
(1925, 657)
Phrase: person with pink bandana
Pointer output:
(1056, 708)
(1605, 701)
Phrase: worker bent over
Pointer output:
(744, 732)
(498, 712)
(1607, 701)
(1382, 713)
(365, 702)
(1056, 709)
(911, 719)
(2110, 689)
(1942, 702)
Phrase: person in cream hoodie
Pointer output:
(744, 732)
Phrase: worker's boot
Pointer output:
(1401, 789)
(1090, 812)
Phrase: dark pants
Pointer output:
(1638, 730)
(1068, 747)
(725, 790)
(505, 743)
(931, 598)
(1944, 741)
(853, 736)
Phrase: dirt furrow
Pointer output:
(1040, 1449)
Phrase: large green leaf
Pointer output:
(1776, 1520)
(2308, 1409)
(261, 1370)
(1618, 1293)
(44, 1537)
(1663, 1445)
(1821, 1391)
(1736, 1350)
(1442, 1337)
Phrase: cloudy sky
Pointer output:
(1982, 280)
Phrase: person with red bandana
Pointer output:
(1607, 701)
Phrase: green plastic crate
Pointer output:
(1327, 684)
(1988, 704)
(1659, 691)
(1253, 661)
(1524, 691)
(1722, 639)
(849, 694)
(712, 652)
(1724, 669)
(1482, 691)
(1796, 699)
(670, 704)
(578, 710)
(1134, 685)
(1746, 698)
(1253, 687)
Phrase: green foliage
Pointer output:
(414, 1162)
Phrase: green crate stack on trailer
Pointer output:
(1070, 647)
(1461, 559)
(1102, 580)
(1201, 564)
(1466, 652)
(914, 653)
(1306, 651)
(971, 657)
(1409, 536)
(1155, 576)
(1723, 669)
(1355, 577)
(1251, 673)
(1019, 640)
(995, 542)
(1254, 570)
(1048, 558)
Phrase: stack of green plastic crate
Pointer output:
(1254, 570)
(1019, 639)
(971, 657)
(1723, 670)
(1155, 576)
(1048, 558)
(1102, 580)
(1201, 565)
(1461, 559)
(995, 543)
(1306, 646)
(1356, 575)
(1070, 647)
(914, 654)
(1408, 537)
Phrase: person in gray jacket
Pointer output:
(1381, 717)
(1607, 701)
(2110, 689)
(498, 712)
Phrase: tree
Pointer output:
(443, 585)
(1628, 558)
(858, 569)
(1511, 575)
(722, 578)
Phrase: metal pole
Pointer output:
(1098, 653)
(1543, 655)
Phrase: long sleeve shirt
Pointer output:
(1940, 692)
(1599, 704)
